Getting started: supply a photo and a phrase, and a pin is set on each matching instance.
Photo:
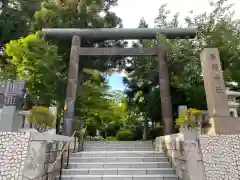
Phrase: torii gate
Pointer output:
(117, 34)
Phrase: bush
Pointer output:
(111, 138)
(136, 128)
(155, 132)
(125, 135)
(41, 118)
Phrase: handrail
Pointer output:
(63, 150)
(61, 153)
(60, 156)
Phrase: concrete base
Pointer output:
(224, 125)
(10, 119)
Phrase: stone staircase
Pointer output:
(132, 160)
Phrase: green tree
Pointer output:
(96, 106)
(217, 29)
(47, 75)
(37, 62)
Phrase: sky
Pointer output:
(131, 11)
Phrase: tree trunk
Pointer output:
(4, 6)
(165, 95)
(145, 134)
(105, 131)
(59, 119)
(153, 124)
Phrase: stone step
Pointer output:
(119, 171)
(118, 159)
(119, 177)
(96, 148)
(120, 165)
(118, 146)
(118, 154)
(118, 142)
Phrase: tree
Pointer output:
(15, 18)
(98, 109)
(80, 14)
(50, 88)
(217, 29)
(37, 62)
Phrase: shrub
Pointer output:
(125, 135)
(111, 138)
(188, 117)
(136, 128)
(155, 132)
(41, 118)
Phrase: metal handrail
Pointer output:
(63, 150)
(61, 157)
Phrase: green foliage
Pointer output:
(125, 135)
(188, 117)
(136, 127)
(155, 132)
(41, 118)
(98, 108)
(110, 138)
(216, 29)
(39, 64)
(44, 64)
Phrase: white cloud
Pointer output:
(132, 10)
(121, 74)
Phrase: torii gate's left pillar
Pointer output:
(69, 109)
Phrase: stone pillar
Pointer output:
(10, 119)
(72, 85)
(165, 95)
(54, 112)
(12, 93)
(214, 83)
(181, 110)
(217, 101)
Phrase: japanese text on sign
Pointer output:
(212, 57)
(219, 89)
(216, 77)
(215, 67)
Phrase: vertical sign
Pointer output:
(11, 92)
(217, 100)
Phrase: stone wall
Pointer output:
(13, 151)
(43, 150)
(184, 153)
(221, 156)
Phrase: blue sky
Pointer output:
(115, 81)
(149, 10)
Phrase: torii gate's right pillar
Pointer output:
(217, 100)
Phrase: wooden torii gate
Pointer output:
(117, 34)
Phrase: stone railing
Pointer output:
(184, 154)
(31, 155)
(43, 152)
